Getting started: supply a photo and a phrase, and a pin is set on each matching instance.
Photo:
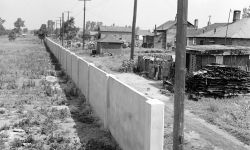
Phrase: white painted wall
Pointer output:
(136, 122)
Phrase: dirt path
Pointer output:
(198, 133)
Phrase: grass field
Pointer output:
(232, 115)
(40, 108)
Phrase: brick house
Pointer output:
(165, 34)
(192, 33)
(235, 33)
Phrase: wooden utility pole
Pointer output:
(227, 26)
(133, 31)
(60, 25)
(84, 17)
(180, 71)
(62, 28)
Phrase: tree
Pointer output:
(18, 24)
(69, 29)
(246, 12)
(42, 32)
(2, 29)
(12, 35)
(25, 30)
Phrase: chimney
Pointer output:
(196, 23)
(236, 16)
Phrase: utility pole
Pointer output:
(84, 17)
(180, 71)
(227, 27)
(133, 31)
(68, 14)
(62, 28)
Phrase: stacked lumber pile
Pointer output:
(219, 82)
(155, 66)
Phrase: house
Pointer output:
(109, 44)
(235, 33)
(192, 33)
(165, 34)
(148, 41)
(199, 56)
(120, 33)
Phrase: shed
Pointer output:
(109, 44)
(201, 55)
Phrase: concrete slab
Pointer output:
(69, 63)
(98, 92)
(75, 70)
(83, 77)
(131, 118)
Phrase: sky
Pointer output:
(118, 12)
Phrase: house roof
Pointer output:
(145, 33)
(109, 39)
(219, 49)
(239, 29)
(194, 32)
(115, 29)
(167, 25)
(213, 26)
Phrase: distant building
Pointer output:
(109, 44)
(123, 33)
(165, 34)
(192, 33)
(50, 26)
(120, 33)
(201, 55)
(235, 33)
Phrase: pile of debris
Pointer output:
(218, 81)
(155, 66)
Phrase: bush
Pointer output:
(128, 66)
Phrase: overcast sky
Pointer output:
(118, 12)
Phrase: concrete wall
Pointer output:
(75, 70)
(69, 63)
(83, 77)
(134, 116)
(98, 92)
(135, 121)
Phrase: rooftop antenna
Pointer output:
(227, 27)
(209, 20)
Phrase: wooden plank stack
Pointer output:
(218, 81)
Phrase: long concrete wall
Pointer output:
(135, 121)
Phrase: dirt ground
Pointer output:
(40, 108)
(230, 115)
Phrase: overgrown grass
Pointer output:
(232, 115)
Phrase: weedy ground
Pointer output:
(232, 115)
(41, 114)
